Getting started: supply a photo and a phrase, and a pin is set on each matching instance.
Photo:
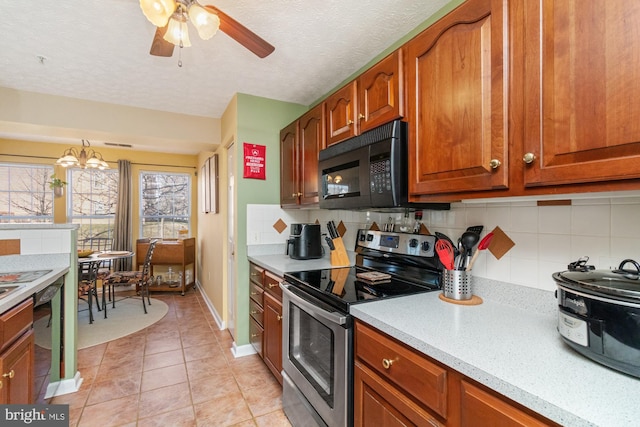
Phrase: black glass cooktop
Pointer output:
(340, 287)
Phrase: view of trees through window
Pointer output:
(92, 201)
(25, 195)
(165, 204)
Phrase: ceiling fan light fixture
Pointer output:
(206, 23)
(158, 12)
(177, 31)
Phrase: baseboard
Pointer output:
(61, 387)
(243, 350)
(221, 324)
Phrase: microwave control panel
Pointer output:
(380, 176)
(400, 243)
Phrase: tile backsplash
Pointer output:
(546, 238)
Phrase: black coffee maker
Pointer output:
(304, 241)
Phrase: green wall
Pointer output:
(259, 122)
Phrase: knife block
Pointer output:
(339, 257)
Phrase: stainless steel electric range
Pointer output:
(318, 329)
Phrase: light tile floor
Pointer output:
(177, 372)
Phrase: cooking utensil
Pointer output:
(333, 230)
(484, 244)
(476, 229)
(468, 240)
(442, 236)
(444, 249)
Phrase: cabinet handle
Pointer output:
(386, 363)
(253, 293)
(294, 195)
(272, 285)
(349, 122)
(255, 274)
(279, 317)
(494, 163)
(528, 158)
(255, 312)
(11, 374)
(361, 116)
(255, 335)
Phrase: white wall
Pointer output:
(547, 238)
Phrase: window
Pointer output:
(165, 204)
(92, 201)
(25, 195)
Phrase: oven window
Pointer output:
(343, 181)
(311, 350)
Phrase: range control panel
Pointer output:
(399, 243)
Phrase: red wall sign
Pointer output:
(255, 161)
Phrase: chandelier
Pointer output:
(175, 13)
(83, 159)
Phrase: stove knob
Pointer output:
(413, 243)
(425, 246)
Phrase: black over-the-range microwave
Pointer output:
(369, 171)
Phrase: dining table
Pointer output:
(88, 266)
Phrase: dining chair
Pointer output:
(98, 244)
(87, 290)
(140, 278)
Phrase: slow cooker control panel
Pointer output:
(573, 329)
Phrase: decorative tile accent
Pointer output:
(280, 226)
(317, 221)
(10, 247)
(341, 228)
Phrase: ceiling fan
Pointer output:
(171, 16)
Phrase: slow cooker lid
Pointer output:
(622, 282)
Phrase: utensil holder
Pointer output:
(457, 284)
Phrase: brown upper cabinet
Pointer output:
(300, 143)
(376, 97)
(456, 92)
(581, 91)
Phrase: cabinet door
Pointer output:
(377, 403)
(256, 333)
(341, 114)
(381, 97)
(311, 141)
(483, 409)
(289, 165)
(457, 102)
(582, 97)
(272, 345)
(16, 370)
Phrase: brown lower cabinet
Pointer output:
(395, 385)
(17, 355)
(265, 321)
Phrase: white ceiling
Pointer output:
(99, 51)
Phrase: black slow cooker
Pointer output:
(599, 313)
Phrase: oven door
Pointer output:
(317, 357)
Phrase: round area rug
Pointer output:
(128, 317)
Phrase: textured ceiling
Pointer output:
(99, 51)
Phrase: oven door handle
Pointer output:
(314, 310)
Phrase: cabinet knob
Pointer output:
(386, 363)
(299, 194)
(495, 163)
(279, 317)
(361, 116)
(294, 195)
(349, 122)
(528, 158)
(11, 374)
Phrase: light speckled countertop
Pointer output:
(510, 344)
(57, 263)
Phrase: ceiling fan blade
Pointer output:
(159, 46)
(241, 34)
